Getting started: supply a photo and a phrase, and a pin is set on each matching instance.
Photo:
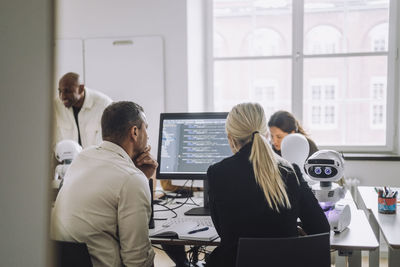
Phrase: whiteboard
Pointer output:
(68, 58)
(129, 69)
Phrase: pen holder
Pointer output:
(387, 205)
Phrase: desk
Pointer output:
(180, 212)
(358, 237)
(389, 224)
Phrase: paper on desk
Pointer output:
(207, 235)
(181, 230)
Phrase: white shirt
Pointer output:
(89, 119)
(105, 203)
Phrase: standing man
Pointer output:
(105, 200)
(78, 111)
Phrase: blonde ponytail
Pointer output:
(267, 173)
(246, 122)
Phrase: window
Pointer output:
(220, 46)
(377, 103)
(264, 92)
(322, 103)
(316, 91)
(316, 115)
(379, 37)
(323, 39)
(297, 44)
(263, 42)
(377, 115)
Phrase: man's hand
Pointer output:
(146, 163)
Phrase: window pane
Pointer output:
(352, 106)
(267, 82)
(252, 28)
(345, 26)
(344, 99)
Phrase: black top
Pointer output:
(76, 112)
(312, 145)
(239, 208)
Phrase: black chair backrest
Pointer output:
(307, 251)
(69, 254)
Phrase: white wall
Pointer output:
(124, 18)
(25, 115)
(376, 173)
(184, 54)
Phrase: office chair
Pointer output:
(71, 254)
(304, 251)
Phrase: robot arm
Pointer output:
(65, 152)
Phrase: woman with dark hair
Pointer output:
(282, 123)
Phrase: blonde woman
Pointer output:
(255, 193)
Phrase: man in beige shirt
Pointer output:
(105, 199)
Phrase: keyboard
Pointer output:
(200, 221)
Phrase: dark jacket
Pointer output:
(239, 208)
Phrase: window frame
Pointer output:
(298, 58)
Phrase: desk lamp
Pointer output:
(325, 167)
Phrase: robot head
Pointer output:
(66, 151)
(325, 166)
(295, 149)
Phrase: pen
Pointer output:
(198, 230)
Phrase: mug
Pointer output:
(387, 205)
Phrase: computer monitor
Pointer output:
(188, 144)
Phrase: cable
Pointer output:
(166, 209)
(171, 200)
(191, 189)
(181, 203)
(194, 203)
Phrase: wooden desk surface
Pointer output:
(388, 223)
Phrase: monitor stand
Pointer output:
(201, 211)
